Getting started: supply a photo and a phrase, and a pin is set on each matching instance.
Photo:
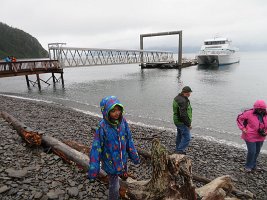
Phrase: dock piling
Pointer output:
(38, 81)
(27, 81)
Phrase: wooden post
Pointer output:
(38, 81)
(62, 79)
(180, 49)
(53, 75)
(27, 80)
(142, 48)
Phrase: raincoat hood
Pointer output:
(107, 104)
(260, 104)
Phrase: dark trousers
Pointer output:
(182, 139)
(254, 149)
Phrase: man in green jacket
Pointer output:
(182, 118)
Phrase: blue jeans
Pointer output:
(114, 187)
(254, 149)
(182, 139)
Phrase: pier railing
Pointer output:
(27, 67)
(77, 57)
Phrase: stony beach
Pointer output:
(30, 173)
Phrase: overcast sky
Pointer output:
(118, 23)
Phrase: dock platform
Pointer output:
(170, 65)
(25, 67)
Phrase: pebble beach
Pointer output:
(31, 173)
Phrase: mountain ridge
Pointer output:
(16, 42)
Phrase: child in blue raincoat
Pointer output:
(112, 144)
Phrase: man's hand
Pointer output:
(190, 127)
(244, 130)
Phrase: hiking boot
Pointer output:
(247, 170)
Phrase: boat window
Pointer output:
(214, 42)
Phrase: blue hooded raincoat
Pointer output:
(112, 143)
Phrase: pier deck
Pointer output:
(31, 67)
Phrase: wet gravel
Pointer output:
(30, 173)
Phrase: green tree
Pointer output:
(15, 42)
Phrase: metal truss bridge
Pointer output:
(78, 57)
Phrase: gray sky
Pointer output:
(118, 23)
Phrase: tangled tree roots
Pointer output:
(171, 177)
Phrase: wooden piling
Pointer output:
(27, 81)
(62, 79)
(53, 75)
(38, 81)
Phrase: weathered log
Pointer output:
(78, 146)
(58, 147)
(30, 136)
(214, 188)
(218, 194)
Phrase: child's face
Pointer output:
(115, 113)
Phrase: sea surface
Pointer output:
(219, 94)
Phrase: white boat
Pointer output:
(218, 51)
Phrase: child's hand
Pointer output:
(124, 176)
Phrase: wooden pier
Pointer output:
(26, 67)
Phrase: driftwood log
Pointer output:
(171, 177)
(66, 152)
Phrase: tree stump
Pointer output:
(171, 178)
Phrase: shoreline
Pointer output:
(210, 159)
(169, 130)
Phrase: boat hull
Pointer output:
(217, 59)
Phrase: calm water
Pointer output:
(218, 94)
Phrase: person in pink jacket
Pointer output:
(253, 124)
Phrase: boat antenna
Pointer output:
(217, 35)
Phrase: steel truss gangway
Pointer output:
(78, 57)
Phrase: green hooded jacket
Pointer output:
(182, 110)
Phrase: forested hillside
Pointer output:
(15, 42)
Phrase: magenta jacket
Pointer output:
(249, 121)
